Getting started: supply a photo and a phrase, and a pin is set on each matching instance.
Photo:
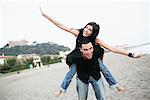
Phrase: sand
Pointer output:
(40, 84)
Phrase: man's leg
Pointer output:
(82, 89)
(98, 87)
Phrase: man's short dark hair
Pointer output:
(84, 41)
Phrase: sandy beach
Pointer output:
(40, 84)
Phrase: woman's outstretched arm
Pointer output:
(60, 25)
(118, 50)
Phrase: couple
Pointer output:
(89, 32)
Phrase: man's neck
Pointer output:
(86, 58)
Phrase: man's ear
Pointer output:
(80, 49)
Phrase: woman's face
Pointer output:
(88, 30)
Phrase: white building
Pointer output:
(17, 43)
(3, 58)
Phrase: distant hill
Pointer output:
(41, 49)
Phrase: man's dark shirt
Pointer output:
(90, 67)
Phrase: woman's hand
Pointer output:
(42, 11)
(137, 55)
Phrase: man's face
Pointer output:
(87, 50)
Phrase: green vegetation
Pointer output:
(13, 64)
(48, 60)
(40, 49)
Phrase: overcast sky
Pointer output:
(121, 22)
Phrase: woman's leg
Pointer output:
(68, 77)
(108, 75)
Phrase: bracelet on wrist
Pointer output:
(130, 55)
